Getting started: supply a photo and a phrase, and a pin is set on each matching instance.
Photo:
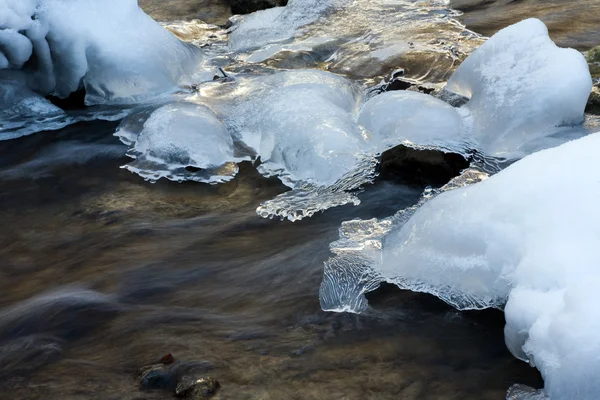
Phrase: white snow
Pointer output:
(528, 235)
(522, 88)
(110, 47)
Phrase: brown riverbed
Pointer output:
(571, 23)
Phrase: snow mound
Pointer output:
(514, 240)
(522, 87)
(179, 141)
(110, 48)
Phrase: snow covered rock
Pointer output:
(526, 238)
(110, 47)
(522, 87)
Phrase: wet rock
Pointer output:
(250, 6)
(156, 376)
(190, 388)
(210, 11)
(454, 99)
(167, 373)
(593, 59)
(397, 81)
(168, 359)
(593, 104)
(420, 167)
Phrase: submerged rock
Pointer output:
(421, 167)
(170, 374)
(210, 11)
(190, 388)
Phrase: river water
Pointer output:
(102, 273)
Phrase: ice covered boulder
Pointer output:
(413, 119)
(299, 126)
(303, 127)
(525, 239)
(179, 141)
(109, 47)
(276, 25)
(522, 87)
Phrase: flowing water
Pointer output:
(102, 272)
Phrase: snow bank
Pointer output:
(110, 47)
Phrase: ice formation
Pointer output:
(414, 119)
(300, 125)
(526, 237)
(277, 24)
(111, 48)
(522, 87)
(521, 99)
(23, 111)
(179, 141)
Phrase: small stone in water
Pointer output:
(191, 388)
(168, 359)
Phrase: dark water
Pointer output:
(572, 23)
(101, 273)
(143, 270)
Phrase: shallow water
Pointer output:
(144, 269)
(191, 270)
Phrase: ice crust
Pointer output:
(110, 48)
